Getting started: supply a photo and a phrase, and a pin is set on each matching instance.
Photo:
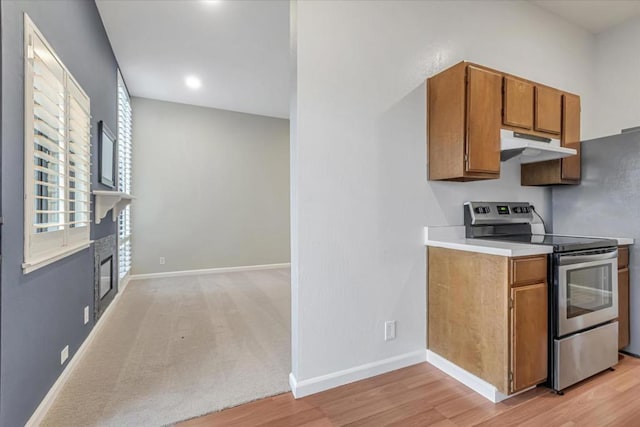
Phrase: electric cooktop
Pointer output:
(559, 243)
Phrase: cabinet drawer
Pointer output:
(623, 257)
(528, 270)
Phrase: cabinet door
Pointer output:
(528, 336)
(548, 117)
(571, 136)
(623, 308)
(484, 101)
(518, 103)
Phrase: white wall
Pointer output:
(617, 68)
(212, 188)
(361, 198)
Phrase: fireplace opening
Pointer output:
(105, 274)
(106, 277)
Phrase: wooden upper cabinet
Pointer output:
(531, 108)
(517, 103)
(548, 111)
(464, 119)
(468, 105)
(484, 97)
(568, 169)
(571, 137)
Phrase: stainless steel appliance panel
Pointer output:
(587, 290)
(502, 212)
(584, 354)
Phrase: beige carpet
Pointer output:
(176, 348)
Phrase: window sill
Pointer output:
(33, 265)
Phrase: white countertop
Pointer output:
(453, 237)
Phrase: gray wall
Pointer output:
(606, 204)
(617, 85)
(212, 188)
(42, 311)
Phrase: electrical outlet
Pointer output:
(86, 315)
(390, 330)
(162, 260)
(64, 354)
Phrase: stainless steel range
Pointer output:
(583, 288)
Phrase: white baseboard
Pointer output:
(41, 411)
(123, 285)
(476, 384)
(335, 379)
(208, 271)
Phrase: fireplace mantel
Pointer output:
(110, 200)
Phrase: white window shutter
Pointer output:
(124, 176)
(57, 146)
(79, 163)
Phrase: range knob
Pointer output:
(482, 209)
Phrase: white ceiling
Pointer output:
(593, 15)
(239, 49)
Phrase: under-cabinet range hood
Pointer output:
(530, 149)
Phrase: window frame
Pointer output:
(41, 249)
(124, 156)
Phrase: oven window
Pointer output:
(589, 289)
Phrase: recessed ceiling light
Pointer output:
(192, 82)
(210, 2)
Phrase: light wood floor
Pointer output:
(422, 395)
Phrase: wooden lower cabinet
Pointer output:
(623, 297)
(623, 308)
(480, 320)
(528, 335)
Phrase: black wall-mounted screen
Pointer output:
(107, 160)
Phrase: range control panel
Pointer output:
(477, 213)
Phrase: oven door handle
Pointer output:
(586, 258)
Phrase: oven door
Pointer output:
(587, 289)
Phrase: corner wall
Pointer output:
(617, 89)
(211, 187)
(41, 312)
(361, 197)
(617, 83)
